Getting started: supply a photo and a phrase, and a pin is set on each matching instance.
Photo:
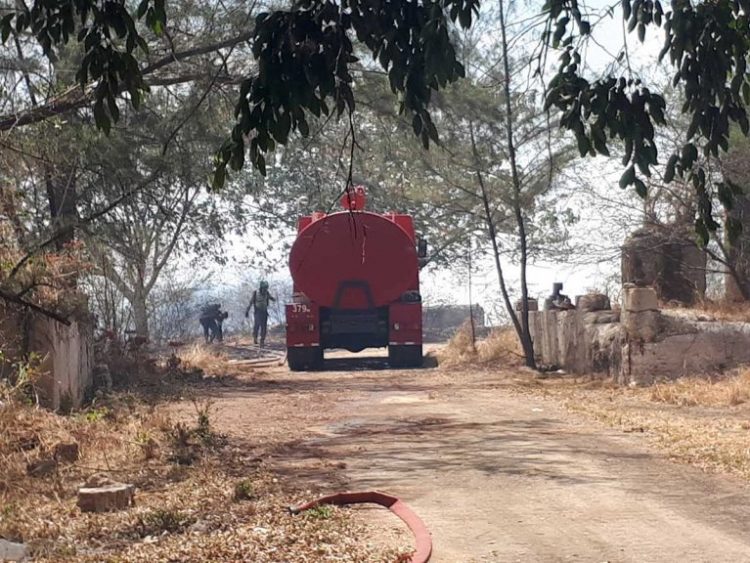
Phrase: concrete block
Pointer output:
(592, 302)
(601, 317)
(644, 326)
(11, 551)
(637, 299)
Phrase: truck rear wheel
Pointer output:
(305, 359)
(405, 356)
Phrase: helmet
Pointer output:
(264, 284)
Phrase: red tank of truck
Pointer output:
(356, 285)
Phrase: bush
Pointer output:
(245, 490)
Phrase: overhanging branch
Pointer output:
(76, 97)
(12, 298)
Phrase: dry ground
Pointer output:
(501, 465)
(202, 494)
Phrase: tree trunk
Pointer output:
(471, 310)
(737, 253)
(521, 329)
(140, 314)
(61, 194)
(525, 333)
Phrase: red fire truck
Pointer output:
(356, 285)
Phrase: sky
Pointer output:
(580, 272)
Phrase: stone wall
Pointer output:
(577, 341)
(66, 354)
(640, 344)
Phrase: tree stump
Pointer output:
(106, 498)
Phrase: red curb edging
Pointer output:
(422, 539)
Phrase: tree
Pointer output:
(304, 57)
(171, 215)
(309, 46)
(735, 254)
(707, 44)
(135, 193)
(461, 193)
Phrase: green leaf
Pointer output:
(744, 124)
(628, 151)
(416, 124)
(303, 127)
(430, 128)
(689, 155)
(100, 117)
(6, 26)
(693, 128)
(640, 188)
(238, 156)
(261, 164)
(584, 146)
(628, 177)
(142, 9)
(599, 139)
(726, 197)
(135, 98)
(220, 175)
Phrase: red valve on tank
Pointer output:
(354, 199)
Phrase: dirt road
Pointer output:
(498, 474)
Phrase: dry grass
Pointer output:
(204, 357)
(500, 346)
(731, 390)
(722, 310)
(704, 422)
(715, 441)
(183, 512)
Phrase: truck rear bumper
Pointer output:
(405, 324)
(302, 325)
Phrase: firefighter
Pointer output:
(211, 319)
(223, 315)
(259, 303)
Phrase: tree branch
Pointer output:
(77, 97)
(12, 298)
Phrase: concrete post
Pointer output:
(640, 313)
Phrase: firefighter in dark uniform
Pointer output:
(211, 319)
(259, 303)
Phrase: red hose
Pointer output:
(422, 539)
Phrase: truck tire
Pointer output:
(405, 356)
(304, 359)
